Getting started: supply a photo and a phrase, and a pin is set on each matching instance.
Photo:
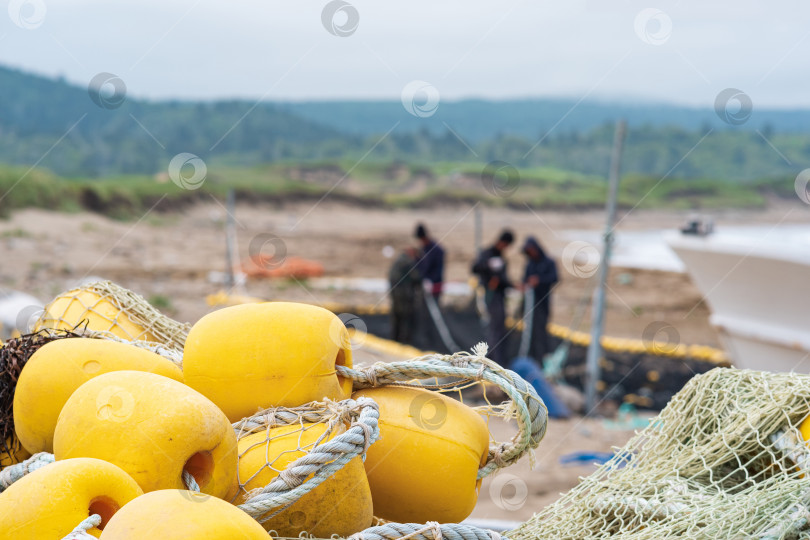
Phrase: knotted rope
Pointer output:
(428, 531)
(80, 532)
(11, 474)
(464, 367)
(322, 461)
(190, 482)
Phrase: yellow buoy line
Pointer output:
(626, 345)
(613, 344)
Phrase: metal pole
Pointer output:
(592, 371)
(230, 240)
(478, 293)
(479, 227)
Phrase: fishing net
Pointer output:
(725, 459)
(104, 306)
(14, 354)
(344, 431)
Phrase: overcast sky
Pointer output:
(679, 52)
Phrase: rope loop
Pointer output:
(465, 367)
(324, 459)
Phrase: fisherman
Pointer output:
(491, 269)
(405, 283)
(431, 261)
(539, 277)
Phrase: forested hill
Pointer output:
(56, 125)
(479, 120)
(138, 136)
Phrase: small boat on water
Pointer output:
(757, 283)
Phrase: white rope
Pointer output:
(80, 532)
(438, 320)
(528, 322)
(428, 531)
(11, 474)
(190, 481)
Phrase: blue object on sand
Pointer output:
(586, 458)
(533, 374)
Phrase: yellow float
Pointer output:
(425, 465)
(57, 369)
(50, 502)
(274, 354)
(182, 515)
(74, 308)
(340, 505)
(151, 426)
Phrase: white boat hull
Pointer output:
(758, 290)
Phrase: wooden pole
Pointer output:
(592, 371)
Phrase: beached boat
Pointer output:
(756, 283)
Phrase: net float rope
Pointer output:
(80, 532)
(11, 474)
(427, 531)
(321, 462)
(462, 368)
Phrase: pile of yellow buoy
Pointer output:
(134, 435)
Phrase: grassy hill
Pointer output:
(391, 184)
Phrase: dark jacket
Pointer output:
(490, 263)
(404, 279)
(546, 271)
(431, 263)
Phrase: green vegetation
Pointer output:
(161, 302)
(386, 184)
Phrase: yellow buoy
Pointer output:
(75, 308)
(255, 356)
(57, 369)
(340, 505)
(425, 465)
(50, 502)
(152, 427)
(172, 514)
(804, 429)
(12, 453)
